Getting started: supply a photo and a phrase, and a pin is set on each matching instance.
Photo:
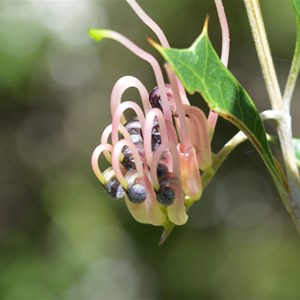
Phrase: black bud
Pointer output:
(165, 195)
(161, 170)
(154, 99)
(114, 188)
(156, 139)
(133, 127)
(137, 193)
(128, 161)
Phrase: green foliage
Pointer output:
(200, 70)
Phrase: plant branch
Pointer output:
(292, 78)
(274, 115)
(263, 52)
(284, 127)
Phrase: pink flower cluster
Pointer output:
(156, 157)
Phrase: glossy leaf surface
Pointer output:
(200, 70)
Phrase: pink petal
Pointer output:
(199, 135)
(190, 174)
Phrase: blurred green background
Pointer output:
(61, 236)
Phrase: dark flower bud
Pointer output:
(112, 185)
(161, 170)
(137, 193)
(155, 99)
(134, 129)
(128, 160)
(115, 189)
(165, 195)
(156, 137)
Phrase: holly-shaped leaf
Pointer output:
(200, 70)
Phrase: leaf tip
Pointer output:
(205, 26)
(154, 44)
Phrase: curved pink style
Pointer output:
(121, 86)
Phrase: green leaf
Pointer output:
(200, 70)
(296, 5)
(296, 143)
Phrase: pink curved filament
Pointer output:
(151, 60)
(105, 136)
(95, 160)
(117, 155)
(212, 122)
(153, 114)
(200, 135)
(213, 117)
(184, 130)
(150, 23)
(225, 32)
(173, 165)
(107, 131)
(159, 33)
(119, 113)
(121, 86)
(172, 134)
(176, 82)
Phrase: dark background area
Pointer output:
(61, 236)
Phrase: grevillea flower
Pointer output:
(156, 158)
